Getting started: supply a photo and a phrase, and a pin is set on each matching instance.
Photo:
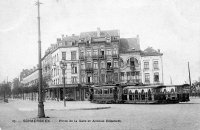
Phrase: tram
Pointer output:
(146, 94)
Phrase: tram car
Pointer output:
(146, 94)
(143, 94)
(107, 94)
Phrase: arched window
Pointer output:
(172, 90)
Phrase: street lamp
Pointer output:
(40, 101)
(63, 66)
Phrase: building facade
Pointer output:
(130, 61)
(99, 57)
(96, 58)
(152, 66)
(66, 51)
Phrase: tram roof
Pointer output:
(102, 87)
(142, 87)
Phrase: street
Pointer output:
(20, 114)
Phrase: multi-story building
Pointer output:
(66, 50)
(99, 57)
(151, 66)
(130, 61)
(29, 81)
(47, 66)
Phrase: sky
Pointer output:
(173, 26)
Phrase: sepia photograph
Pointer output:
(100, 65)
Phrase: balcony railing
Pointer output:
(81, 57)
(109, 69)
(115, 56)
(95, 57)
(89, 69)
(101, 56)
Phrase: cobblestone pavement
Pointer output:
(19, 115)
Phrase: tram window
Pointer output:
(105, 91)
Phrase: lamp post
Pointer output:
(40, 101)
(63, 66)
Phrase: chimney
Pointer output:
(63, 36)
(98, 32)
(138, 39)
(159, 50)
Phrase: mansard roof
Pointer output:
(151, 52)
(129, 45)
(103, 33)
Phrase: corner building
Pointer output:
(99, 57)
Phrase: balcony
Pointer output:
(95, 57)
(102, 57)
(115, 56)
(82, 57)
(89, 69)
(109, 69)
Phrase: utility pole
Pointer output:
(189, 73)
(41, 113)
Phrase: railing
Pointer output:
(89, 69)
(109, 68)
(115, 56)
(95, 57)
(81, 57)
(101, 56)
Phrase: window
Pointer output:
(83, 79)
(89, 65)
(95, 65)
(74, 68)
(147, 78)
(95, 79)
(102, 78)
(115, 51)
(73, 55)
(63, 55)
(115, 63)
(89, 53)
(89, 79)
(155, 64)
(102, 52)
(95, 52)
(109, 65)
(146, 65)
(128, 75)
(122, 76)
(74, 79)
(121, 63)
(102, 65)
(105, 91)
(57, 58)
(82, 65)
(116, 77)
(108, 52)
(156, 77)
(82, 54)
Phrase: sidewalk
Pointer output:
(27, 105)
